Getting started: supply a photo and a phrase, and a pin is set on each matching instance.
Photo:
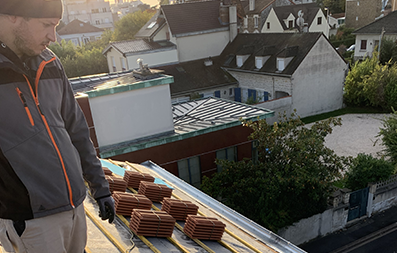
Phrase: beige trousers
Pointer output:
(64, 232)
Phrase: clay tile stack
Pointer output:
(125, 202)
(179, 209)
(204, 228)
(134, 178)
(116, 184)
(155, 192)
(107, 171)
(152, 223)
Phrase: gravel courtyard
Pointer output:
(357, 135)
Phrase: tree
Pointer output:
(370, 83)
(388, 134)
(335, 6)
(291, 179)
(366, 169)
(388, 51)
(130, 24)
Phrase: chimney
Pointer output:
(224, 14)
(251, 5)
(232, 22)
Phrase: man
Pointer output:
(45, 150)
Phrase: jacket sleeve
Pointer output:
(76, 126)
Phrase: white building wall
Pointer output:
(372, 41)
(318, 81)
(271, 84)
(79, 38)
(201, 46)
(275, 25)
(162, 34)
(117, 116)
(96, 13)
(323, 27)
(153, 59)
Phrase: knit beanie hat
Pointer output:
(32, 8)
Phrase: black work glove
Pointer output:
(106, 208)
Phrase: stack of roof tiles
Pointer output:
(204, 228)
(125, 202)
(116, 184)
(179, 209)
(155, 192)
(107, 171)
(134, 178)
(152, 223)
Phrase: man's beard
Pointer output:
(21, 40)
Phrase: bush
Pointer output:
(388, 135)
(367, 169)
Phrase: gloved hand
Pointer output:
(106, 208)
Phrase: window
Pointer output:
(280, 64)
(95, 10)
(319, 20)
(150, 26)
(258, 62)
(229, 154)
(123, 67)
(290, 24)
(268, 25)
(103, 9)
(107, 21)
(97, 22)
(256, 21)
(113, 63)
(363, 45)
(189, 171)
(231, 92)
(86, 40)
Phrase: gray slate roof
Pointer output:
(149, 30)
(192, 17)
(77, 26)
(389, 23)
(261, 5)
(273, 44)
(194, 76)
(138, 46)
(309, 13)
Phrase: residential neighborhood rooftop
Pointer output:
(388, 23)
(78, 26)
(130, 47)
(309, 12)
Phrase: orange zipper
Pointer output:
(21, 96)
(38, 75)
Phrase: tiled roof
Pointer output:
(338, 15)
(77, 26)
(240, 234)
(389, 23)
(137, 46)
(151, 27)
(194, 76)
(309, 12)
(192, 17)
(272, 44)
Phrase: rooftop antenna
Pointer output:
(300, 21)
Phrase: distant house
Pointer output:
(123, 55)
(287, 70)
(256, 11)
(368, 37)
(362, 12)
(177, 33)
(296, 18)
(80, 33)
(96, 13)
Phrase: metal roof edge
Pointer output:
(256, 72)
(178, 137)
(164, 79)
(150, 51)
(245, 224)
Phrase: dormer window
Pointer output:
(280, 64)
(260, 61)
(319, 21)
(290, 24)
(240, 59)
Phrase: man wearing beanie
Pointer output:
(45, 149)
